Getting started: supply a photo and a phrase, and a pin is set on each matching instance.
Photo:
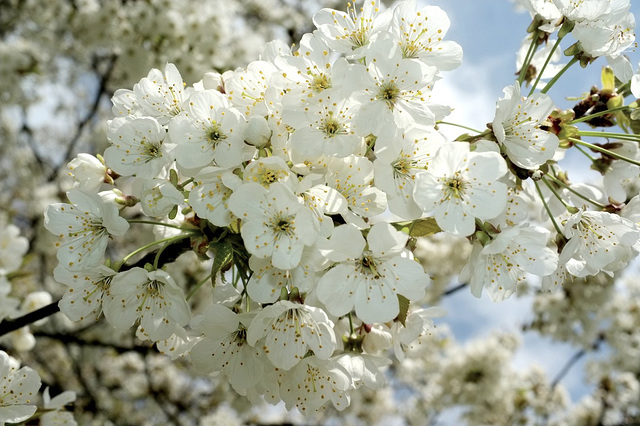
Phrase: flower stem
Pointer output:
(621, 136)
(151, 244)
(458, 125)
(151, 222)
(527, 59)
(605, 151)
(558, 75)
(597, 114)
(197, 287)
(546, 207)
(568, 187)
(546, 62)
(585, 153)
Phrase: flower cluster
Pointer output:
(307, 176)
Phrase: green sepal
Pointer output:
(404, 310)
(424, 227)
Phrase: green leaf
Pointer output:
(424, 227)
(222, 257)
(404, 310)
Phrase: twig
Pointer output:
(454, 289)
(573, 360)
(9, 325)
(104, 78)
(70, 338)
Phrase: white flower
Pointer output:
(460, 186)
(55, 414)
(621, 177)
(307, 74)
(353, 178)
(210, 132)
(598, 241)
(290, 330)
(399, 159)
(364, 369)
(324, 127)
(420, 34)
(138, 147)
(224, 348)
(153, 297)
(393, 91)
(545, 10)
(246, 88)
(125, 103)
(270, 223)
(13, 247)
(84, 227)
(350, 33)
(87, 289)
(312, 383)
(500, 265)
(319, 201)
(87, 172)
(159, 197)
(209, 197)
(159, 95)
(18, 388)
(517, 127)
(267, 281)
(371, 274)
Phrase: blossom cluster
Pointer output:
(307, 176)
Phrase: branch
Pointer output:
(104, 78)
(573, 360)
(70, 338)
(454, 289)
(12, 324)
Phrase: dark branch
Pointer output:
(573, 360)
(104, 79)
(70, 338)
(454, 289)
(9, 325)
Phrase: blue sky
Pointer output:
(490, 33)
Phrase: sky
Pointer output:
(490, 33)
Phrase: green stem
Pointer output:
(147, 246)
(351, 325)
(605, 151)
(197, 287)
(585, 153)
(527, 59)
(151, 222)
(557, 76)
(548, 210)
(458, 125)
(597, 114)
(546, 62)
(621, 136)
(568, 187)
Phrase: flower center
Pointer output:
(214, 135)
(320, 82)
(389, 93)
(331, 126)
(454, 187)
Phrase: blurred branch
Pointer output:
(28, 136)
(70, 338)
(454, 289)
(102, 89)
(574, 359)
